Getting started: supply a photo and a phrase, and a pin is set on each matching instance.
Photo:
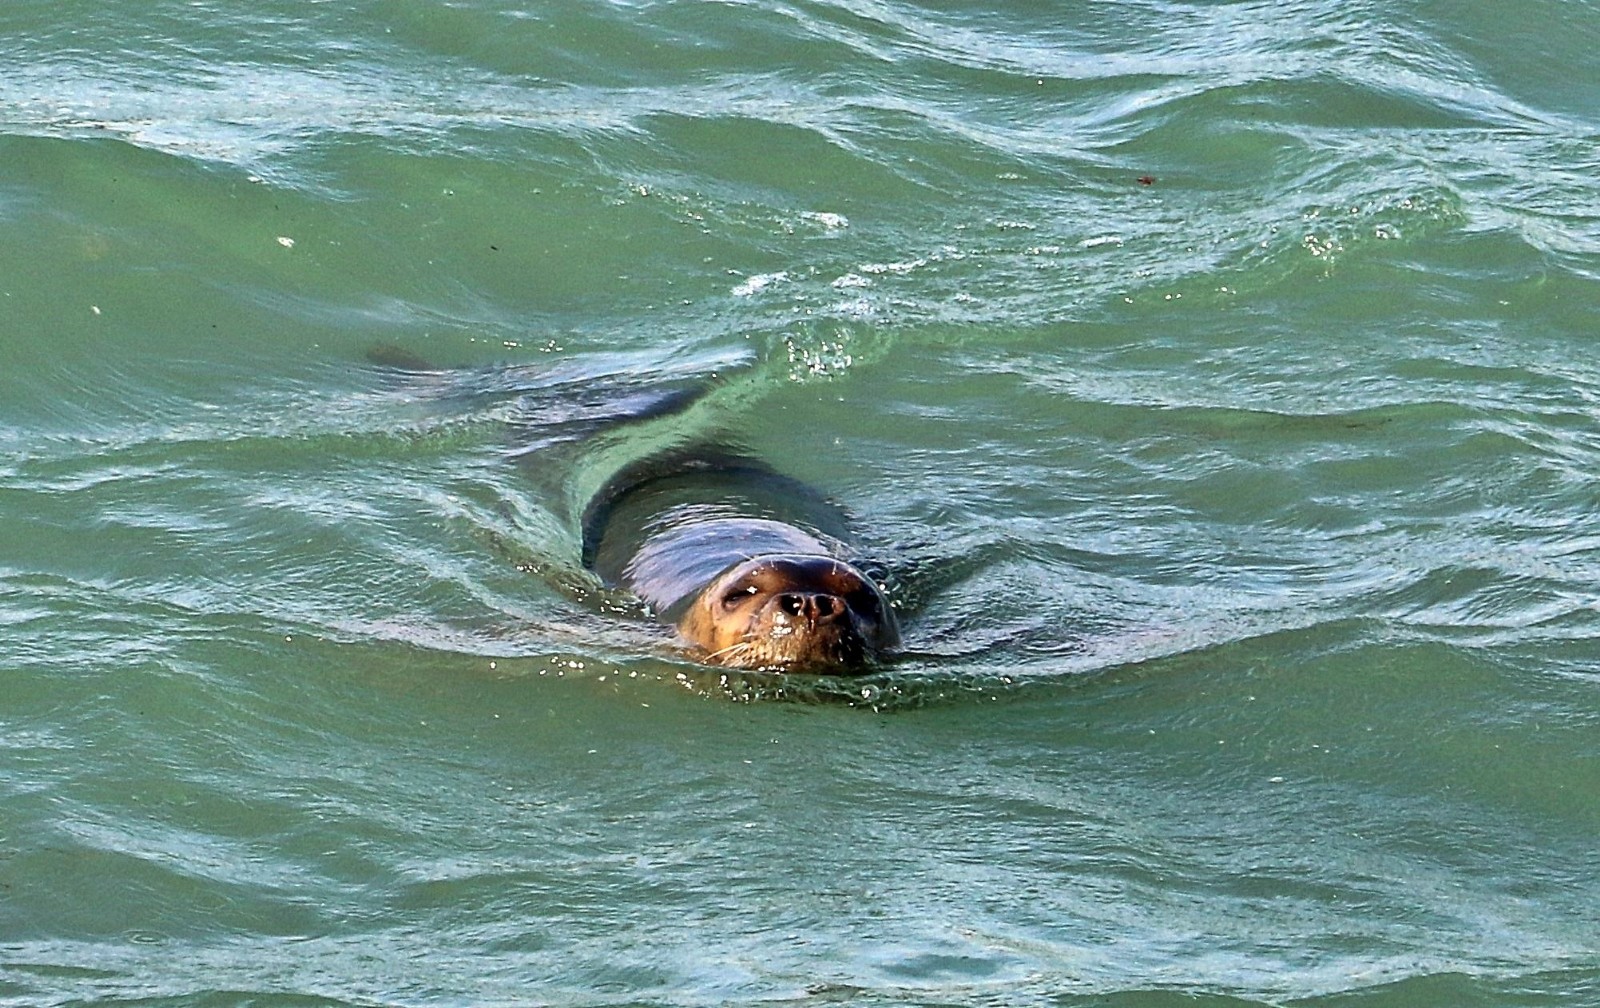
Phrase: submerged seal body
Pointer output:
(746, 563)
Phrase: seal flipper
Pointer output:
(397, 358)
(562, 401)
(579, 420)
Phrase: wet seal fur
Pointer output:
(748, 564)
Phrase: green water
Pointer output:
(1216, 381)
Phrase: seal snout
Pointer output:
(816, 607)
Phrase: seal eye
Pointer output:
(738, 595)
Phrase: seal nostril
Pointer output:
(792, 604)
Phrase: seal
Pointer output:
(749, 565)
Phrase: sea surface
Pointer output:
(1215, 384)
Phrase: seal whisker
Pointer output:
(739, 646)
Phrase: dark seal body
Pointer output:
(748, 564)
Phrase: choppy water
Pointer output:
(1219, 378)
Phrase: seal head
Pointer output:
(746, 563)
(796, 611)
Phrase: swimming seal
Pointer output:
(747, 564)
